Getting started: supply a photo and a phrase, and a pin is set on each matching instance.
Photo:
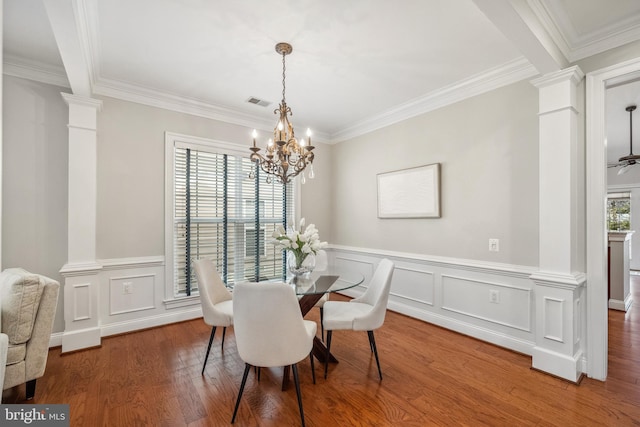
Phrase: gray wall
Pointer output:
(488, 149)
(34, 182)
(131, 169)
(316, 196)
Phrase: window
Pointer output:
(215, 212)
(618, 211)
(250, 236)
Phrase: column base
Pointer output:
(559, 365)
(80, 339)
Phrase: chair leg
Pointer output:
(31, 389)
(372, 342)
(247, 367)
(326, 359)
(224, 331)
(213, 332)
(313, 370)
(296, 380)
(322, 323)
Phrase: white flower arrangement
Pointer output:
(300, 243)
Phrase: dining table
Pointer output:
(310, 288)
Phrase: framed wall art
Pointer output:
(410, 193)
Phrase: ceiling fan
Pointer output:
(627, 161)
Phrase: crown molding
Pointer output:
(508, 73)
(36, 71)
(511, 72)
(154, 98)
(575, 46)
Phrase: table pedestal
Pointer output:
(319, 350)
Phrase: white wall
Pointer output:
(488, 150)
(34, 193)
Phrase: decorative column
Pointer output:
(81, 317)
(559, 286)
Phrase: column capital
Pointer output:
(573, 74)
(84, 101)
(558, 91)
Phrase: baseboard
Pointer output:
(55, 340)
(150, 322)
(615, 304)
(81, 341)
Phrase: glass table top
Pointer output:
(325, 281)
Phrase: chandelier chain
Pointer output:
(284, 68)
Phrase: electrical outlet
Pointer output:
(494, 245)
(494, 296)
(127, 288)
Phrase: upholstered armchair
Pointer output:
(4, 347)
(28, 303)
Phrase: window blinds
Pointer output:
(221, 214)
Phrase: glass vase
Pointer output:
(300, 269)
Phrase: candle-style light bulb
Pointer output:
(302, 142)
(280, 127)
(254, 134)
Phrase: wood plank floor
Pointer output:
(432, 376)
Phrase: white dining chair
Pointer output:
(322, 263)
(365, 313)
(270, 331)
(216, 300)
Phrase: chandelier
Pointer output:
(286, 157)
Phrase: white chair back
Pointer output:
(377, 296)
(268, 325)
(322, 261)
(212, 291)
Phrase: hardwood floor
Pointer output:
(432, 376)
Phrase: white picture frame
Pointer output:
(410, 193)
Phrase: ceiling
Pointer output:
(356, 66)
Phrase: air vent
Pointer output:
(257, 101)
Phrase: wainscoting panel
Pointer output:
(131, 293)
(133, 296)
(364, 266)
(82, 307)
(413, 285)
(489, 301)
(553, 319)
(493, 302)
